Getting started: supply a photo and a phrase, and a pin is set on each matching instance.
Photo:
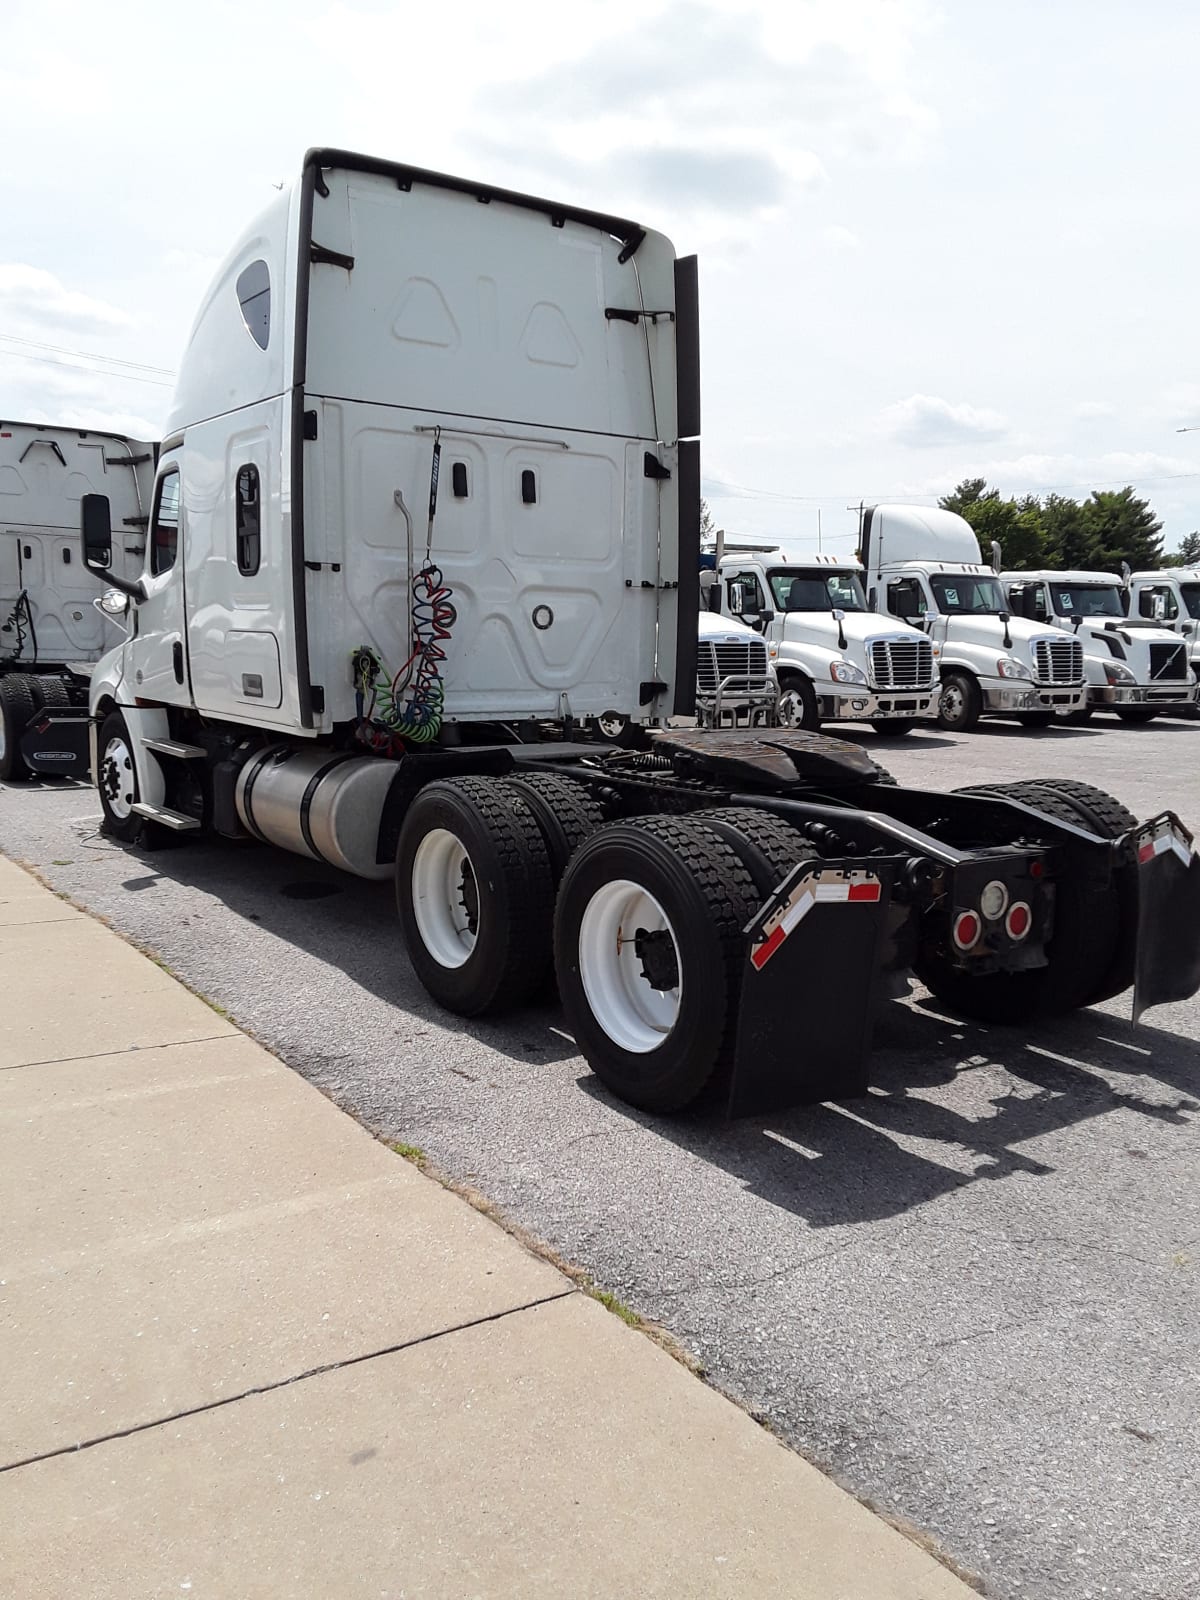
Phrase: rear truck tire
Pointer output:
(17, 706)
(117, 781)
(52, 691)
(960, 703)
(475, 893)
(894, 727)
(1037, 719)
(648, 946)
(797, 702)
(565, 813)
(766, 845)
(1090, 952)
(1136, 714)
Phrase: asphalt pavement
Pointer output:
(971, 1295)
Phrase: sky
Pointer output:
(936, 241)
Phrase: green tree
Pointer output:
(708, 528)
(1188, 554)
(1070, 537)
(1016, 525)
(1123, 528)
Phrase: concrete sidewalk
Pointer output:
(248, 1351)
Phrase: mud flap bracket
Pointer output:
(809, 986)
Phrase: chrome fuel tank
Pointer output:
(320, 803)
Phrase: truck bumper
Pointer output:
(838, 702)
(1141, 694)
(1011, 697)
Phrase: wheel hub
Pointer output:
(656, 951)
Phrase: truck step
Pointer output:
(169, 819)
(174, 747)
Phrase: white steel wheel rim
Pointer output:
(634, 1015)
(116, 778)
(442, 876)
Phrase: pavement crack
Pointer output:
(283, 1383)
(92, 1055)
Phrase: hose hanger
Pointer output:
(434, 470)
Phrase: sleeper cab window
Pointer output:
(164, 530)
(254, 297)
(249, 521)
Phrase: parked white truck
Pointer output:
(1171, 598)
(837, 661)
(51, 629)
(429, 502)
(1137, 669)
(736, 685)
(923, 562)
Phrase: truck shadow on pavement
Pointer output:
(980, 1093)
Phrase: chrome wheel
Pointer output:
(117, 779)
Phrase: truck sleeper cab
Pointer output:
(52, 627)
(837, 662)
(428, 509)
(1136, 668)
(923, 562)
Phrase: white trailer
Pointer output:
(837, 661)
(1137, 669)
(923, 563)
(426, 514)
(51, 630)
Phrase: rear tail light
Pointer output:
(1019, 920)
(967, 928)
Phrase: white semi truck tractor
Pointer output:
(837, 661)
(1138, 669)
(923, 563)
(736, 683)
(51, 629)
(428, 509)
(1169, 597)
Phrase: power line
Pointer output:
(735, 491)
(89, 355)
(78, 366)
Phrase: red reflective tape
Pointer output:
(1147, 850)
(763, 952)
(864, 891)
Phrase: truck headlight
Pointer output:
(1010, 667)
(1116, 673)
(847, 672)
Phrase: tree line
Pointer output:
(1092, 535)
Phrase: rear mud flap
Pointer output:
(809, 987)
(1168, 952)
(56, 744)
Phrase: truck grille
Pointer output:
(717, 661)
(901, 663)
(1058, 660)
(1168, 661)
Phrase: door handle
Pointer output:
(177, 660)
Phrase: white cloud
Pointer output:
(839, 238)
(37, 296)
(1094, 410)
(926, 420)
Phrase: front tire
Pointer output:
(960, 703)
(116, 780)
(475, 894)
(648, 947)
(797, 702)
(17, 706)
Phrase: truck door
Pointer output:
(1157, 602)
(158, 650)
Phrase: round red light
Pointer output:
(1019, 920)
(967, 928)
(1037, 869)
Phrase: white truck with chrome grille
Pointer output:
(427, 512)
(836, 660)
(923, 563)
(1171, 598)
(736, 685)
(1135, 668)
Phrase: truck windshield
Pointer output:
(1086, 600)
(813, 589)
(1190, 594)
(958, 592)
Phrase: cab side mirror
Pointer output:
(766, 616)
(97, 533)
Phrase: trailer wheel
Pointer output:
(648, 946)
(17, 705)
(797, 702)
(564, 811)
(475, 894)
(52, 691)
(1136, 714)
(960, 703)
(116, 781)
(767, 846)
